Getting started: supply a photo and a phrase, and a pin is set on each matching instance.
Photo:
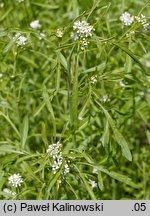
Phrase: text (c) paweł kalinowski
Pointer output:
(56, 206)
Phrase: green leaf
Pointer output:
(73, 191)
(30, 171)
(122, 178)
(11, 123)
(100, 181)
(54, 179)
(44, 134)
(6, 14)
(38, 108)
(9, 149)
(63, 61)
(28, 61)
(105, 136)
(96, 68)
(88, 187)
(132, 55)
(47, 6)
(24, 133)
(117, 135)
(50, 109)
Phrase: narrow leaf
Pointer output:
(11, 123)
(117, 135)
(24, 133)
(88, 187)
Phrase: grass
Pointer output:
(47, 96)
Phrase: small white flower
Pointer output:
(93, 183)
(9, 192)
(104, 98)
(59, 33)
(54, 150)
(35, 24)
(93, 79)
(122, 84)
(83, 28)
(95, 170)
(142, 19)
(42, 35)
(82, 31)
(66, 168)
(131, 33)
(15, 180)
(20, 40)
(127, 19)
(74, 36)
(1, 75)
(55, 153)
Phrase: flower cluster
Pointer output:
(55, 153)
(127, 20)
(93, 79)
(20, 40)
(83, 31)
(59, 33)
(142, 19)
(15, 180)
(104, 99)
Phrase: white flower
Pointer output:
(104, 98)
(95, 170)
(83, 28)
(93, 79)
(83, 31)
(20, 40)
(54, 150)
(42, 35)
(66, 169)
(59, 33)
(93, 183)
(57, 164)
(1, 75)
(122, 84)
(15, 180)
(9, 192)
(55, 153)
(127, 19)
(35, 24)
(74, 36)
(142, 19)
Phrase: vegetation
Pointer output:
(74, 99)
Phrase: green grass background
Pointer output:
(42, 102)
